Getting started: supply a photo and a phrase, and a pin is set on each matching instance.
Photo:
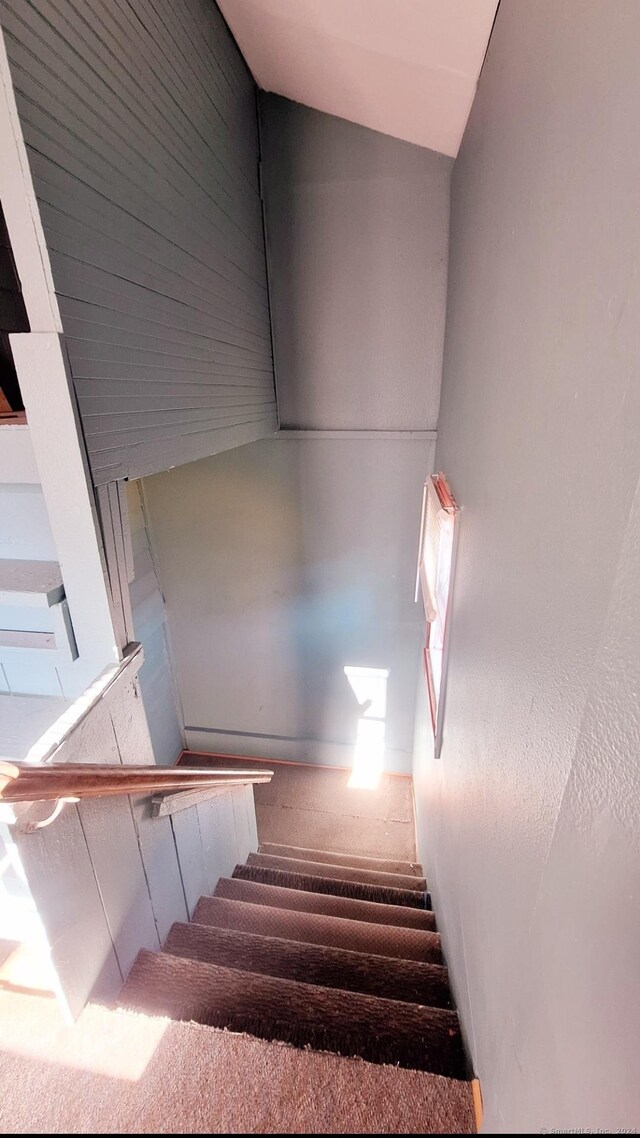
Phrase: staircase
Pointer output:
(308, 995)
(318, 950)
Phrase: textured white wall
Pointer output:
(529, 822)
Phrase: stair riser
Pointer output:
(316, 928)
(338, 872)
(350, 889)
(313, 964)
(330, 857)
(235, 888)
(350, 1024)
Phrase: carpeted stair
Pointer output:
(311, 949)
(356, 875)
(116, 1072)
(381, 865)
(312, 883)
(321, 964)
(238, 889)
(359, 933)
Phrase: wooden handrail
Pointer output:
(26, 782)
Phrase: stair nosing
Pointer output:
(338, 857)
(420, 885)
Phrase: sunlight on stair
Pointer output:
(370, 689)
(103, 1041)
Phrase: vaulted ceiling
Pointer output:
(408, 68)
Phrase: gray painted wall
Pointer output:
(357, 233)
(141, 128)
(529, 823)
(281, 563)
(284, 561)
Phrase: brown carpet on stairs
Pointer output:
(337, 872)
(308, 995)
(317, 928)
(355, 890)
(119, 1073)
(325, 1019)
(321, 964)
(242, 889)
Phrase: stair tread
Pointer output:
(386, 895)
(321, 964)
(347, 1023)
(390, 941)
(301, 900)
(336, 857)
(196, 1079)
(338, 872)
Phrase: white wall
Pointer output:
(529, 822)
(404, 68)
(357, 238)
(283, 561)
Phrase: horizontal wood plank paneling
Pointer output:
(141, 128)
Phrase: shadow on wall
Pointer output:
(357, 232)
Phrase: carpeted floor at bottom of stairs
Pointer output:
(118, 1072)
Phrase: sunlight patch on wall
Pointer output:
(369, 686)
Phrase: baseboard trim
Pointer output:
(279, 748)
(478, 1105)
(354, 435)
(415, 821)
